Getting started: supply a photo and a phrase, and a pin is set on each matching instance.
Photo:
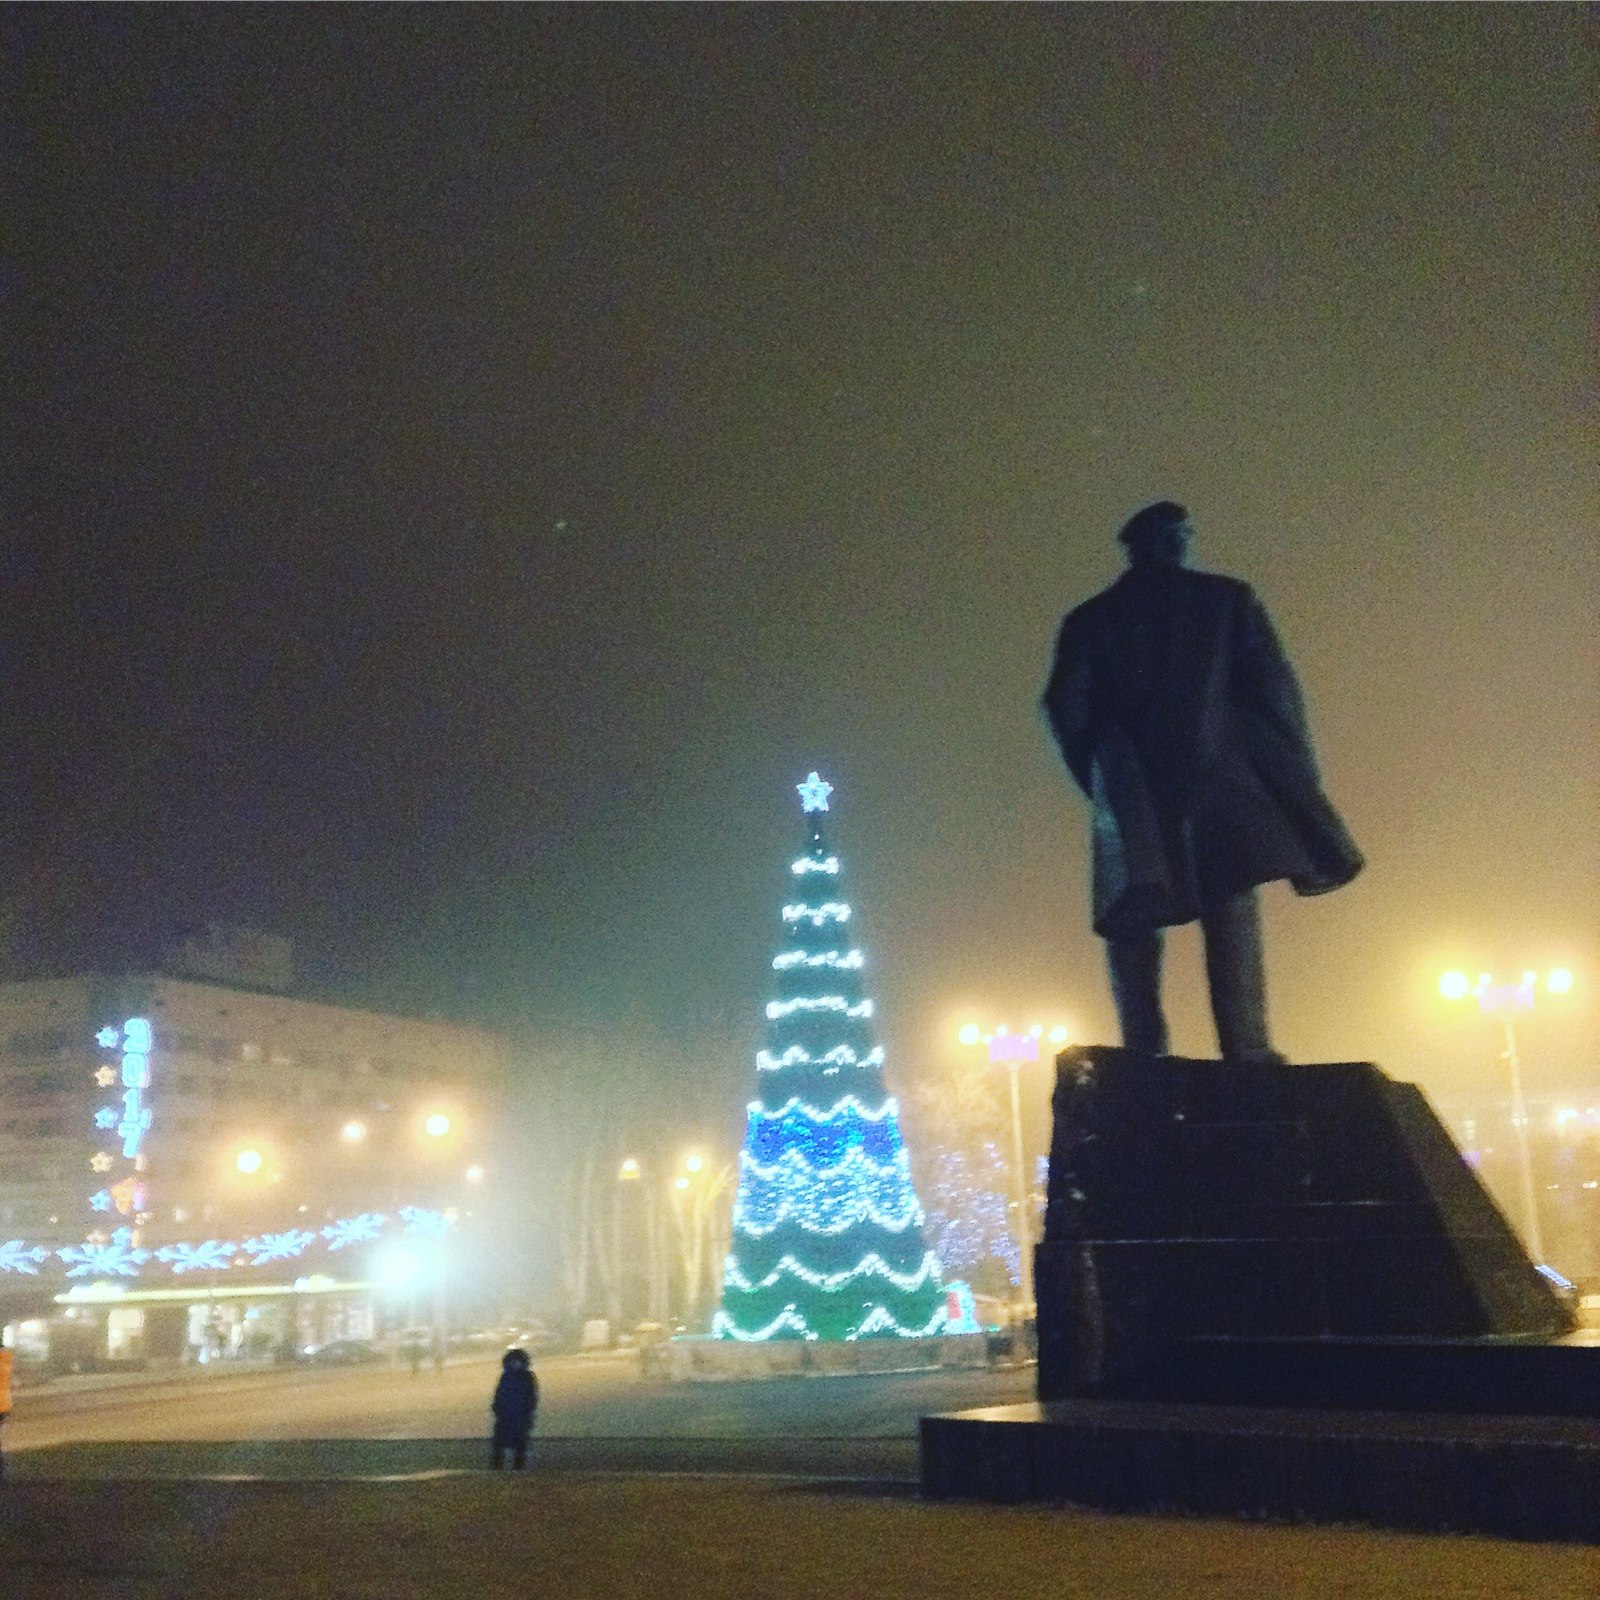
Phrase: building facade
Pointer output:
(165, 1142)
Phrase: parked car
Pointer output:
(343, 1353)
(532, 1335)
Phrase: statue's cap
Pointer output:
(1159, 520)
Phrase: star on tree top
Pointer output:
(814, 793)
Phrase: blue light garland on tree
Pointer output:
(827, 1231)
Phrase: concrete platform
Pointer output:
(703, 1360)
(1516, 1477)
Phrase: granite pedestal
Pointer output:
(1226, 1245)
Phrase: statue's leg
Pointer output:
(1234, 970)
(1135, 964)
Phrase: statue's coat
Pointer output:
(1179, 716)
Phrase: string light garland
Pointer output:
(121, 1255)
(847, 962)
(797, 1056)
(828, 911)
(829, 864)
(825, 1002)
(870, 1265)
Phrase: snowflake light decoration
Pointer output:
(115, 1258)
(431, 1224)
(15, 1256)
(284, 1246)
(209, 1255)
(353, 1230)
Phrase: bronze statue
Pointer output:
(1179, 716)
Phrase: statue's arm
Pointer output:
(1066, 704)
(1266, 680)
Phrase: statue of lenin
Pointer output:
(1179, 716)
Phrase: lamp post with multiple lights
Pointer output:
(1010, 1050)
(1507, 1001)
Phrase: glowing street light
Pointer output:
(629, 1171)
(249, 1162)
(474, 1173)
(694, 1194)
(1506, 1001)
(1010, 1050)
(437, 1125)
(354, 1131)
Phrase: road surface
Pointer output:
(594, 1412)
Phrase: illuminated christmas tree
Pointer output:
(827, 1232)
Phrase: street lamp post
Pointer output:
(694, 1192)
(1507, 1002)
(1010, 1050)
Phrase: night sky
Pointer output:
(464, 466)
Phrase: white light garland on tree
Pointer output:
(848, 962)
(826, 1002)
(840, 1056)
(828, 911)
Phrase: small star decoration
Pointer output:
(105, 1077)
(100, 1161)
(814, 793)
(106, 1038)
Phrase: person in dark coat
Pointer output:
(516, 1399)
(1180, 718)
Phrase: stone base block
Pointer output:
(702, 1360)
(1514, 1477)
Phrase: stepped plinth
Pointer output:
(1232, 1252)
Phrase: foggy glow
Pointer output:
(248, 1162)
(399, 1267)
(1559, 981)
(437, 1126)
(1454, 986)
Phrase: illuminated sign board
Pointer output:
(128, 1117)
